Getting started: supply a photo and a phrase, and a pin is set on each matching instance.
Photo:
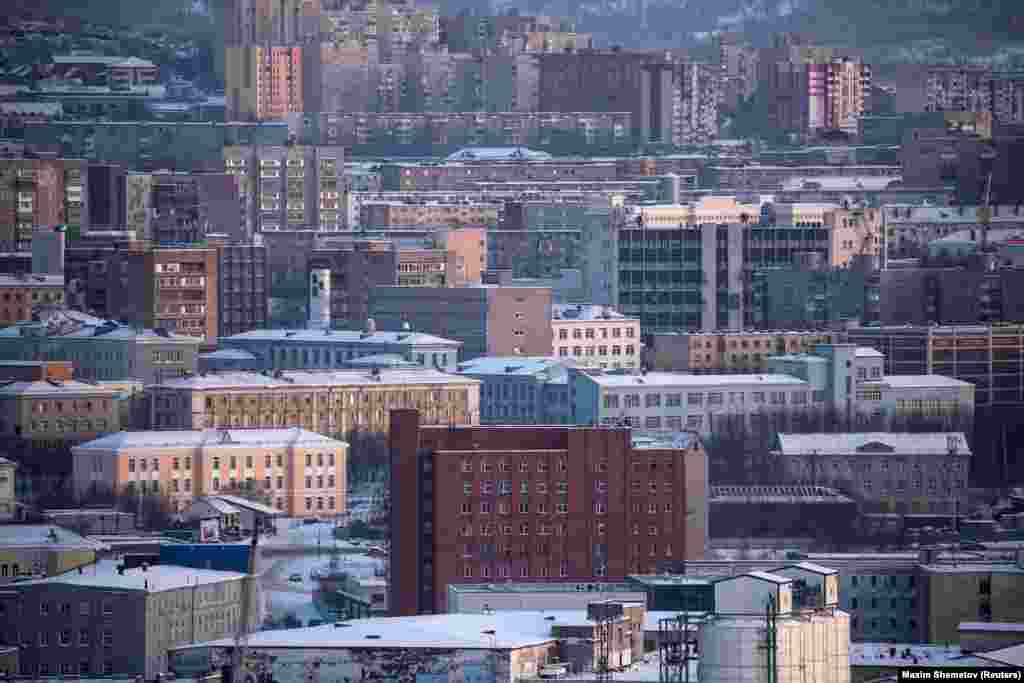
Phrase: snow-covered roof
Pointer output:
(842, 183)
(868, 352)
(246, 504)
(586, 312)
(687, 381)
(924, 382)
(881, 654)
(808, 567)
(210, 438)
(663, 440)
(156, 578)
(49, 536)
(219, 505)
(511, 630)
(339, 337)
(776, 494)
(498, 154)
(228, 354)
(1008, 656)
(54, 387)
(509, 365)
(319, 378)
(931, 443)
(34, 280)
(993, 626)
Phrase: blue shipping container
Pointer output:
(233, 558)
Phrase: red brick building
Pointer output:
(548, 504)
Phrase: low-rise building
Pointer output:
(480, 598)
(331, 349)
(109, 620)
(101, 349)
(295, 471)
(521, 390)
(723, 351)
(42, 550)
(958, 592)
(19, 294)
(885, 472)
(595, 336)
(331, 402)
(674, 401)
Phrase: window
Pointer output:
(465, 509)
(83, 637)
(64, 637)
(600, 508)
(695, 399)
(44, 639)
(673, 400)
(652, 400)
(44, 608)
(83, 609)
(467, 488)
(64, 609)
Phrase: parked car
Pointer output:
(295, 578)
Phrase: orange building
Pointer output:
(296, 471)
(19, 293)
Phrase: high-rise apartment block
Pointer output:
(269, 82)
(181, 207)
(243, 284)
(537, 504)
(288, 188)
(958, 88)
(43, 192)
(680, 103)
(171, 289)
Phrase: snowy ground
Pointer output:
(283, 597)
(295, 532)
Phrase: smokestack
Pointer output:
(320, 298)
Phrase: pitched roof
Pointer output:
(208, 438)
(246, 504)
(853, 444)
(686, 380)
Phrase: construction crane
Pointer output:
(248, 603)
(985, 214)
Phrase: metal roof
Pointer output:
(873, 443)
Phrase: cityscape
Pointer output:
(438, 341)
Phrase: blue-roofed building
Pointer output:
(312, 349)
(521, 390)
(498, 154)
(228, 360)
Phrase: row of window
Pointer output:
(592, 333)
(563, 351)
(673, 423)
(506, 466)
(714, 398)
(176, 463)
(70, 425)
(65, 638)
(84, 668)
(505, 488)
(544, 529)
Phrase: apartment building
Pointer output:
(296, 187)
(101, 350)
(41, 192)
(957, 593)
(909, 229)
(595, 336)
(181, 207)
(108, 620)
(521, 390)
(21, 294)
(950, 295)
(465, 168)
(958, 88)
(840, 93)
(489, 320)
(1008, 97)
(268, 82)
(454, 519)
(680, 103)
(886, 472)
(675, 401)
(10, 510)
(298, 472)
(375, 215)
(174, 289)
(330, 402)
(333, 349)
(243, 284)
(725, 352)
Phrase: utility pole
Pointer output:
(985, 214)
(248, 600)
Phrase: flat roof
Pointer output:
(872, 443)
(209, 438)
(881, 654)
(339, 337)
(924, 382)
(972, 566)
(313, 378)
(49, 536)
(663, 440)
(156, 578)
(567, 313)
(54, 387)
(510, 365)
(512, 630)
(247, 504)
(678, 379)
(559, 587)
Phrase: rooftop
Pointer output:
(300, 378)
(498, 154)
(1009, 656)
(511, 630)
(338, 337)
(873, 443)
(973, 566)
(678, 379)
(810, 567)
(776, 494)
(585, 312)
(228, 354)
(868, 352)
(663, 440)
(54, 387)
(50, 536)
(221, 506)
(157, 578)
(209, 438)
(986, 626)
(246, 504)
(510, 365)
(924, 382)
(115, 61)
(761, 575)
(34, 280)
(842, 183)
(558, 587)
(897, 655)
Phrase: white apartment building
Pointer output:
(595, 336)
(675, 401)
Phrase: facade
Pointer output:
(521, 389)
(558, 132)
(243, 285)
(330, 402)
(173, 289)
(675, 401)
(724, 352)
(958, 88)
(332, 349)
(101, 350)
(681, 102)
(790, 511)
(41, 192)
(19, 294)
(811, 296)
(956, 594)
(9, 509)
(295, 187)
(489, 320)
(394, 214)
(885, 472)
(573, 498)
(28, 550)
(103, 622)
(908, 228)
(153, 145)
(297, 472)
(41, 402)
(181, 207)
(595, 336)
(269, 82)
(950, 295)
